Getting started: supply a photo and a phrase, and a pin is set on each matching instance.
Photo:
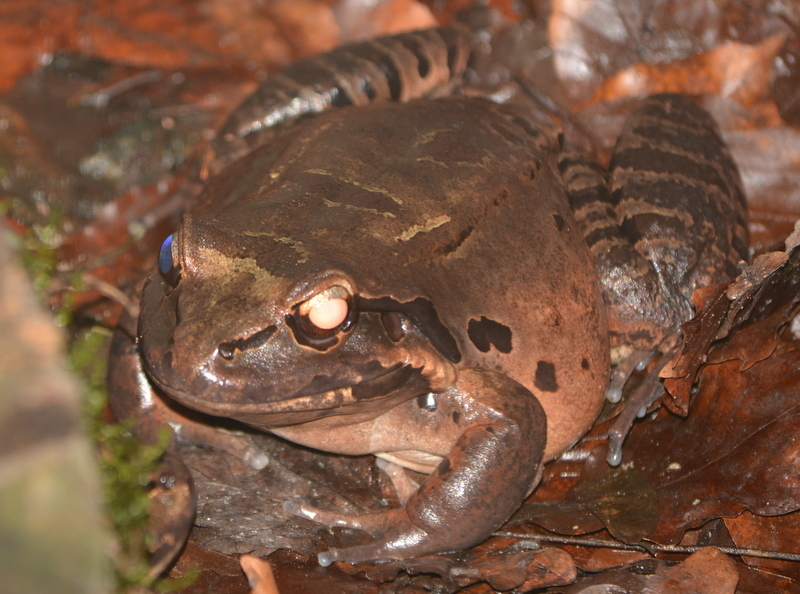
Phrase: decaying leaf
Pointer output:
(735, 70)
(706, 572)
(593, 38)
(769, 287)
(502, 570)
(259, 575)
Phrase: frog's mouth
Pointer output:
(371, 395)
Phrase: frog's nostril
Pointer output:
(226, 350)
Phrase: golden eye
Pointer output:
(327, 313)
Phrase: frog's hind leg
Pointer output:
(679, 200)
(424, 63)
(671, 218)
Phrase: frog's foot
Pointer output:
(635, 407)
(396, 536)
(637, 360)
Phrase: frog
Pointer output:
(380, 264)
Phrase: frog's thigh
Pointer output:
(493, 464)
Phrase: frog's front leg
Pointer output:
(495, 429)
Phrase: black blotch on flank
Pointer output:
(456, 416)
(486, 333)
(546, 377)
(559, 221)
(584, 363)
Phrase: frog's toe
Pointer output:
(636, 360)
(373, 524)
(321, 516)
(257, 459)
(358, 554)
(635, 407)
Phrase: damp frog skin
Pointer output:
(431, 280)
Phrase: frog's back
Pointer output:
(456, 202)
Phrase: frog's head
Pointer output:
(253, 326)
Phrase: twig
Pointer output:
(112, 292)
(610, 544)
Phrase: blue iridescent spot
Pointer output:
(165, 256)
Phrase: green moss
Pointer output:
(125, 463)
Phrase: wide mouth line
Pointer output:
(341, 397)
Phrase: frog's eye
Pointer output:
(167, 266)
(326, 314)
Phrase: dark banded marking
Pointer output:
(401, 67)
(382, 57)
(658, 164)
(669, 218)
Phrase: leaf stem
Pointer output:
(649, 547)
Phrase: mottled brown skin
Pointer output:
(476, 344)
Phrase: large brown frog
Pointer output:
(431, 280)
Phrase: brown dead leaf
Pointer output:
(767, 288)
(769, 161)
(706, 572)
(502, 569)
(259, 575)
(363, 20)
(706, 466)
(743, 72)
(786, 88)
(710, 464)
(217, 572)
(778, 533)
(156, 34)
(593, 38)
